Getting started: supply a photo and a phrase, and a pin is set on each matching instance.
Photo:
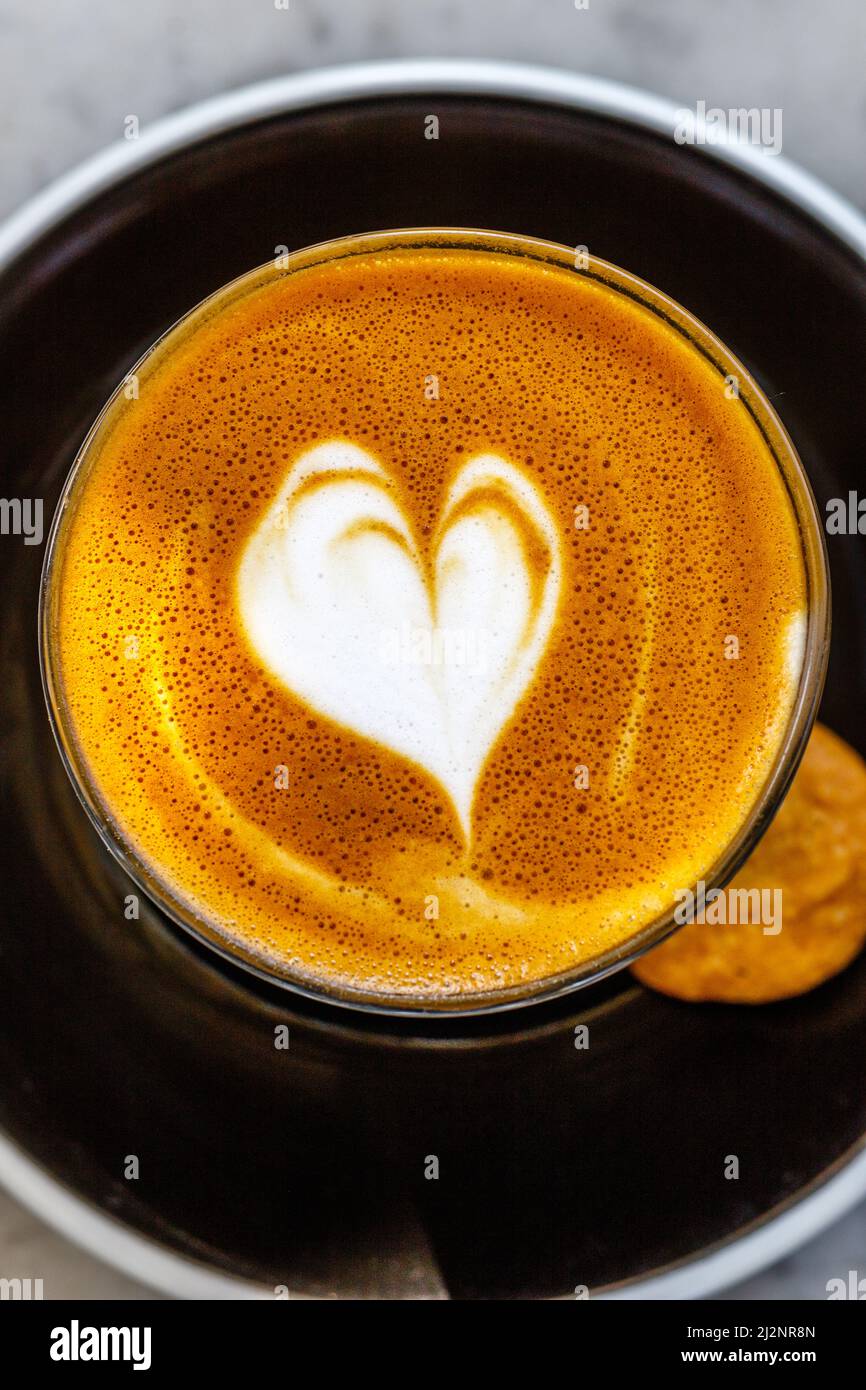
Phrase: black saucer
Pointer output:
(306, 1168)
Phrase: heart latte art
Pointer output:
(427, 623)
(333, 581)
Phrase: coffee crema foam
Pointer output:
(337, 644)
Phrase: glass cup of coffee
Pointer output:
(426, 612)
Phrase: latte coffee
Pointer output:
(426, 614)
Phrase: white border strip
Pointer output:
(355, 81)
(104, 1236)
(177, 1276)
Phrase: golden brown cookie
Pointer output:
(815, 854)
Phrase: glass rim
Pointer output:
(789, 750)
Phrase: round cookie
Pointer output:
(815, 853)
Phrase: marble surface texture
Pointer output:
(72, 70)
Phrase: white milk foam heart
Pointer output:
(334, 599)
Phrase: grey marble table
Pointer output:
(72, 71)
